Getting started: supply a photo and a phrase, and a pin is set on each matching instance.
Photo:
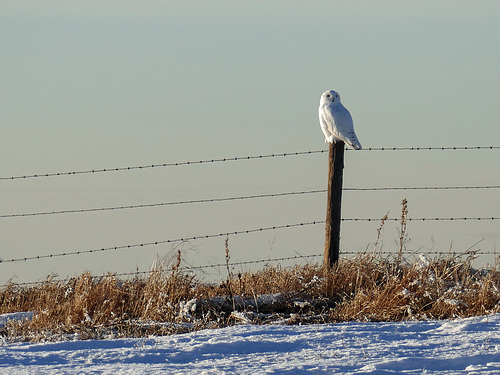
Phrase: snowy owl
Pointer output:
(336, 121)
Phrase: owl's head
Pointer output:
(330, 96)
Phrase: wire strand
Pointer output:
(165, 204)
(421, 188)
(447, 148)
(200, 237)
(163, 165)
(182, 239)
(253, 262)
(210, 200)
(187, 268)
(239, 158)
(232, 264)
(426, 219)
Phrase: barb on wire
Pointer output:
(183, 239)
(238, 158)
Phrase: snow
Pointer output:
(462, 346)
(19, 316)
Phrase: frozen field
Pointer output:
(465, 346)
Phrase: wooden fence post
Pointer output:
(334, 203)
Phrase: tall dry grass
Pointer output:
(169, 300)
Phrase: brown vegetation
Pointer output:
(170, 301)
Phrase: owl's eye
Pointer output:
(328, 96)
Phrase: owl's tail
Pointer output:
(353, 142)
(354, 146)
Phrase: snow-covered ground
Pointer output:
(464, 346)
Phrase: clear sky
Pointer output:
(94, 84)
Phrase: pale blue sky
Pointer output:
(93, 84)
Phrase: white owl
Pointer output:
(336, 121)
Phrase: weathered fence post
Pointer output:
(334, 203)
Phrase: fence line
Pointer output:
(239, 158)
(270, 195)
(198, 237)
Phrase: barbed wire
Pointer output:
(248, 231)
(186, 268)
(240, 158)
(208, 200)
(385, 252)
(446, 148)
(49, 279)
(259, 261)
(182, 239)
(421, 188)
(163, 165)
(256, 196)
(426, 219)
(232, 264)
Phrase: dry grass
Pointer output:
(367, 287)
(169, 301)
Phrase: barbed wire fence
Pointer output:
(233, 198)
